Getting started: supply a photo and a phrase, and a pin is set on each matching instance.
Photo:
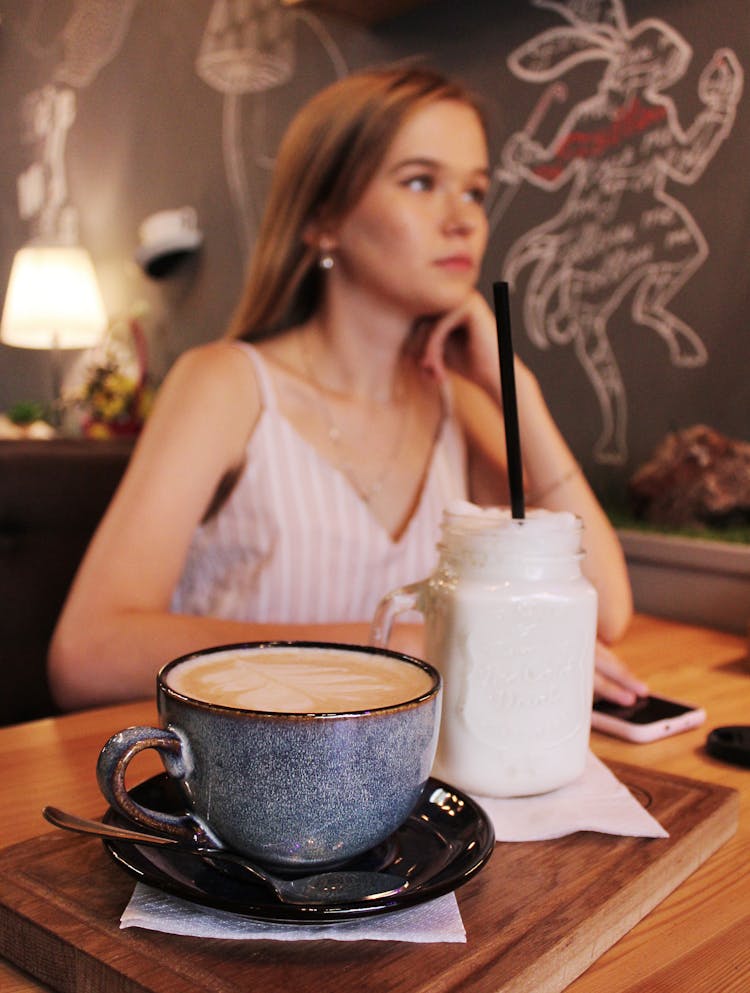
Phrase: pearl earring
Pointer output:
(325, 260)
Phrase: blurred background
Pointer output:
(620, 208)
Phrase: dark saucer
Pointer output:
(445, 841)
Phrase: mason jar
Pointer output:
(510, 622)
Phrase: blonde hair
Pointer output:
(329, 154)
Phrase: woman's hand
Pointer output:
(464, 341)
(613, 680)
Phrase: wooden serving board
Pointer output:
(536, 916)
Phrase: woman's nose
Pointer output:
(458, 214)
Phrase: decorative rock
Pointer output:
(695, 477)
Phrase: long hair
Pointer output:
(331, 151)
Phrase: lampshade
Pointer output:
(53, 299)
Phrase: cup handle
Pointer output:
(112, 764)
(394, 603)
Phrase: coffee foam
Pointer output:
(294, 681)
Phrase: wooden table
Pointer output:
(696, 941)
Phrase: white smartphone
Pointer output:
(648, 719)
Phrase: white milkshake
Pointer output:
(511, 624)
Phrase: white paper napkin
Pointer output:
(598, 801)
(436, 921)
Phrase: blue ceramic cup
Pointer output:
(296, 754)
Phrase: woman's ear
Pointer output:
(327, 242)
(319, 238)
(322, 243)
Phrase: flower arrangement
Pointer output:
(116, 404)
(115, 396)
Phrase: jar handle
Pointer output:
(394, 603)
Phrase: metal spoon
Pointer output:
(320, 889)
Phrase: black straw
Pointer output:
(510, 404)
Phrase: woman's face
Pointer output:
(414, 242)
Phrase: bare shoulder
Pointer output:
(217, 377)
(216, 367)
(206, 407)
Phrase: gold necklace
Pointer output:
(367, 492)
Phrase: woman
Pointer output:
(280, 489)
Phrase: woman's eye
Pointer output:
(419, 183)
(476, 194)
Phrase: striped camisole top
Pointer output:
(295, 543)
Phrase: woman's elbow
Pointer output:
(67, 674)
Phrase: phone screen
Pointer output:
(646, 710)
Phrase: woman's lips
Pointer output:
(458, 263)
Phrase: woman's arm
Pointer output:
(552, 480)
(465, 343)
(116, 630)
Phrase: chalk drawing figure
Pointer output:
(47, 116)
(89, 40)
(619, 231)
(248, 48)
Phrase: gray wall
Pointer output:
(151, 133)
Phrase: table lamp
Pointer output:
(53, 302)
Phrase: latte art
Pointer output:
(290, 681)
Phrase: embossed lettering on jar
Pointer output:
(510, 621)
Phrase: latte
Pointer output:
(294, 681)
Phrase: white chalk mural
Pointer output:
(622, 231)
(89, 40)
(248, 48)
